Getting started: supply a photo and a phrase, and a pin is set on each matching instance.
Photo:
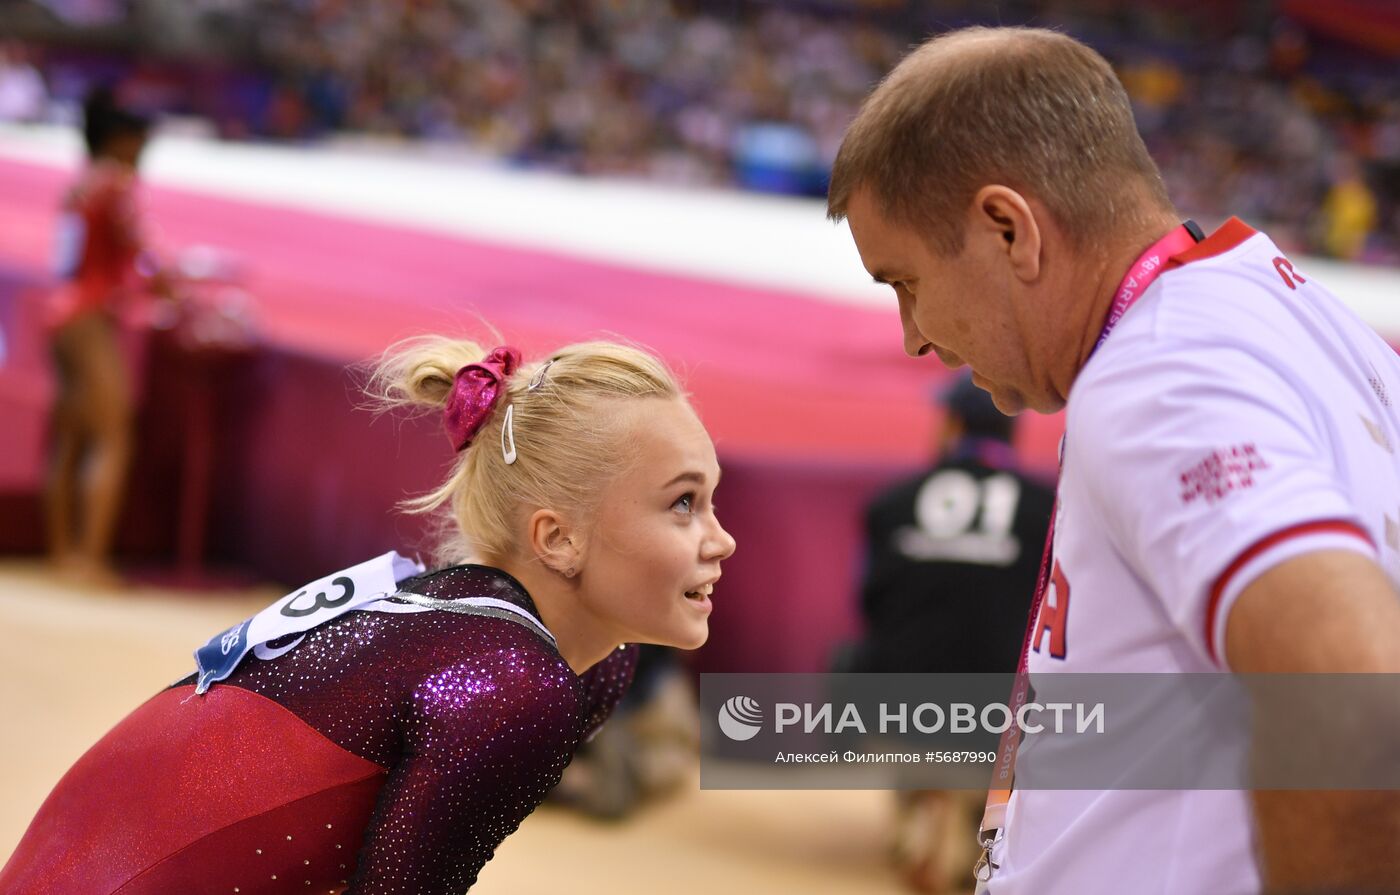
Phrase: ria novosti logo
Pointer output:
(740, 718)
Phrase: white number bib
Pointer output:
(303, 609)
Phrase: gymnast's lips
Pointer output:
(702, 591)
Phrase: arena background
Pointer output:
(335, 176)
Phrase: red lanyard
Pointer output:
(1149, 265)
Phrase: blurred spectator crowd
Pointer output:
(1250, 109)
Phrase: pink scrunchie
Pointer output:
(475, 391)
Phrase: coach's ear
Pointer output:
(1001, 213)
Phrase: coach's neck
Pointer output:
(1099, 272)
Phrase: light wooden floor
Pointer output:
(73, 663)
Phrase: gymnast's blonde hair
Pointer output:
(567, 440)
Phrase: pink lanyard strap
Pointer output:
(1144, 271)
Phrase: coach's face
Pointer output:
(972, 308)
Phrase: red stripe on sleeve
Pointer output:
(1217, 590)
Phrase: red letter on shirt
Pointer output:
(1054, 617)
(1289, 275)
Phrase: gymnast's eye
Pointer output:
(685, 503)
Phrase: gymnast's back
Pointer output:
(382, 752)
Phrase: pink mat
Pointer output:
(775, 374)
(813, 405)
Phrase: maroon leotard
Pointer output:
(390, 753)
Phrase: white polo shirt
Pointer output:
(1238, 415)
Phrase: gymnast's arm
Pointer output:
(484, 740)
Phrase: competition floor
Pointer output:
(74, 662)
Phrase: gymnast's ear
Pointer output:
(553, 542)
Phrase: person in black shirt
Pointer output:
(954, 551)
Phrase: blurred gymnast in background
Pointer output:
(101, 260)
(393, 726)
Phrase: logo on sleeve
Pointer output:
(1377, 434)
(1224, 471)
(1378, 386)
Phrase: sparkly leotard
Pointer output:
(390, 753)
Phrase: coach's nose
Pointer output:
(915, 345)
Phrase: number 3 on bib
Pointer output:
(347, 588)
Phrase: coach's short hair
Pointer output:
(1031, 109)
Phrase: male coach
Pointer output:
(1230, 491)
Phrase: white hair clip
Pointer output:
(538, 379)
(508, 436)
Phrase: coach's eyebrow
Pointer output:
(886, 278)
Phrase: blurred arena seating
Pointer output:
(1286, 112)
